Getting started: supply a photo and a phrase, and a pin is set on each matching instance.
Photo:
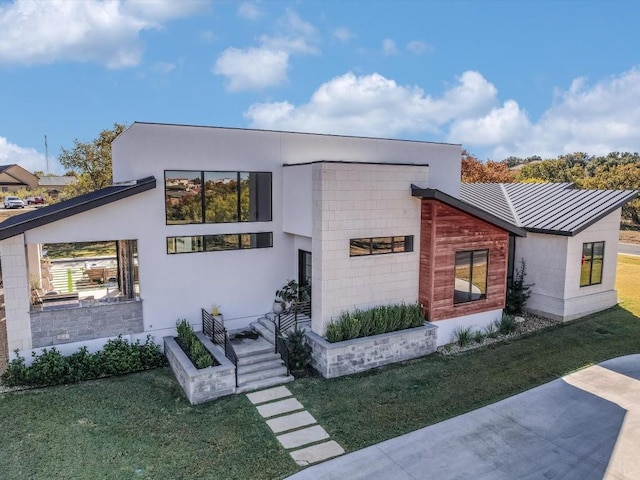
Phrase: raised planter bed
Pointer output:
(207, 383)
(361, 354)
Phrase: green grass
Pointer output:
(136, 426)
(140, 426)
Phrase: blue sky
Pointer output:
(502, 78)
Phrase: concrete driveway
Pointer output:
(585, 426)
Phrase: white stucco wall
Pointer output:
(17, 293)
(477, 321)
(554, 262)
(356, 201)
(296, 207)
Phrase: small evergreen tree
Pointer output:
(519, 292)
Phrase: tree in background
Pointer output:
(624, 176)
(90, 162)
(474, 171)
(551, 171)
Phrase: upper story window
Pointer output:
(217, 197)
(380, 245)
(591, 268)
(471, 276)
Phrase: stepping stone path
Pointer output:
(294, 426)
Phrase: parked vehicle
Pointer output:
(11, 201)
(35, 200)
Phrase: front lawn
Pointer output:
(140, 426)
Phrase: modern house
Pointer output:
(205, 216)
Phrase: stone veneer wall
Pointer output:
(359, 200)
(207, 383)
(361, 354)
(66, 325)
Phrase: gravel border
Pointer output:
(530, 323)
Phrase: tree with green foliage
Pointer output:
(90, 161)
(624, 176)
(551, 171)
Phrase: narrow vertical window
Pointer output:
(591, 263)
(183, 197)
(471, 276)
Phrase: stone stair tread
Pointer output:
(246, 346)
(262, 374)
(317, 453)
(268, 324)
(258, 366)
(264, 383)
(269, 395)
(272, 409)
(264, 333)
(304, 436)
(259, 358)
(291, 421)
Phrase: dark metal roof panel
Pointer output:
(432, 193)
(555, 208)
(490, 197)
(42, 216)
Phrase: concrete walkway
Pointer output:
(585, 426)
(294, 426)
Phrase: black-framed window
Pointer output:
(218, 243)
(471, 276)
(592, 261)
(380, 245)
(229, 197)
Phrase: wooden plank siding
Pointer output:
(446, 230)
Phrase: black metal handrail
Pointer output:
(282, 347)
(214, 329)
(289, 318)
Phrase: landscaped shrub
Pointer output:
(375, 321)
(506, 324)
(299, 351)
(462, 336)
(52, 368)
(192, 346)
(519, 292)
(491, 330)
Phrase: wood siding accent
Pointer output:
(446, 230)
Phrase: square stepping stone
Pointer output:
(316, 453)
(276, 408)
(302, 437)
(290, 422)
(268, 395)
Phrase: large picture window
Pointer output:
(229, 197)
(380, 245)
(471, 276)
(217, 243)
(591, 268)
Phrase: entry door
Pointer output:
(304, 270)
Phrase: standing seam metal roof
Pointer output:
(554, 208)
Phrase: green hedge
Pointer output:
(192, 346)
(375, 321)
(52, 368)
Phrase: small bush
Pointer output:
(374, 321)
(491, 330)
(52, 368)
(462, 336)
(506, 324)
(192, 346)
(519, 292)
(299, 351)
(478, 336)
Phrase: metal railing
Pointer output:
(281, 347)
(290, 317)
(214, 329)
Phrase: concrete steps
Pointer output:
(259, 366)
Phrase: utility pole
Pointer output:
(46, 153)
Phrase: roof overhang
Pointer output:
(42, 216)
(433, 194)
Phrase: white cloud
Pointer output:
(101, 31)
(28, 158)
(255, 68)
(389, 47)
(249, 11)
(343, 34)
(267, 65)
(597, 119)
(418, 47)
(375, 105)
